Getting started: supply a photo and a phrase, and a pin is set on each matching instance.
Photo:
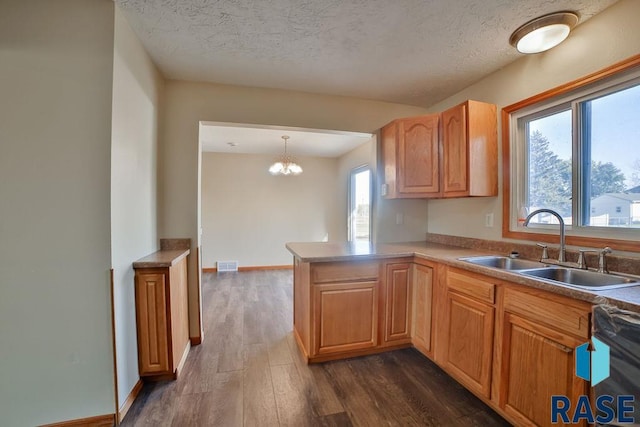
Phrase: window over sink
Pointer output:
(576, 150)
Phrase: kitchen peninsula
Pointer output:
(485, 327)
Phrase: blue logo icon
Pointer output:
(593, 365)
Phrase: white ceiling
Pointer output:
(216, 137)
(415, 52)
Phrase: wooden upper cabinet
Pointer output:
(453, 154)
(411, 162)
(454, 149)
(470, 150)
(418, 156)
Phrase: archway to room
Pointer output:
(246, 215)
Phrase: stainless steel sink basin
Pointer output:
(581, 278)
(503, 262)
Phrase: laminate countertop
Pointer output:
(624, 298)
(162, 258)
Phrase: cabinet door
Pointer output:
(418, 168)
(397, 317)
(455, 151)
(179, 308)
(537, 362)
(151, 303)
(468, 353)
(345, 317)
(422, 307)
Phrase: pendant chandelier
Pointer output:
(286, 165)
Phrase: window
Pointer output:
(577, 151)
(360, 204)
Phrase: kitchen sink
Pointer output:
(503, 262)
(581, 278)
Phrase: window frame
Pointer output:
(569, 92)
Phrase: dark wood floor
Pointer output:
(248, 371)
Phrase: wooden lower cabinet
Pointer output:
(469, 350)
(537, 363)
(153, 328)
(345, 317)
(511, 345)
(351, 308)
(422, 308)
(397, 303)
(336, 308)
(469, 319)
(162, 319)
(539, 335)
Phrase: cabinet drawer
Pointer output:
(559, 313)
(471, 285)
(344, 271)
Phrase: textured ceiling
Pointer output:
(414, 52)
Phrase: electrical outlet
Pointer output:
(488, 220)
(399, 219)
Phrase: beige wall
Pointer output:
(248, 215)
(137, 90)
(56, 73)
(189, 103)
(605, 39)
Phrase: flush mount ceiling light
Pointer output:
(286, 165)
(544, 32)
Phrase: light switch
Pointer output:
(488, 220)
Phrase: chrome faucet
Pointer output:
(561, 257)
(602, 260)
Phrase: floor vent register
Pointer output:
(227, 266)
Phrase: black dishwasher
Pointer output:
(620, 330)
